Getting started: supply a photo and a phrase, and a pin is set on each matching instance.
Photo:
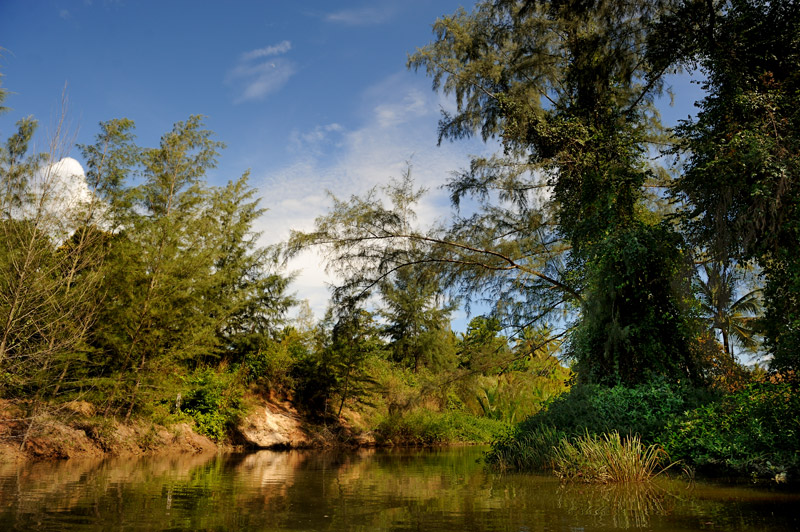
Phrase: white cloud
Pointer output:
(256, 79)
(412, 106)
(60, 199)
(278, 49)
(316, 140)
(399, 125)
(70, 181)
(364, 16)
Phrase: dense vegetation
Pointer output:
(147, 295)
(588, 245)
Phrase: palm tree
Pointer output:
(734, 318)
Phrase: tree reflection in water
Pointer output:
(445, 489)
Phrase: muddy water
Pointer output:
(425, 490)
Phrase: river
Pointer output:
(421, 490)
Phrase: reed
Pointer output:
(531, 451)
(608, 458)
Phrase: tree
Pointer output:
(418, 324)
(162, 266)
(354, 339)
(562, 222)
(246, 295)
(189, 283)
(568, 90)
(52, 263)
(742, 176)
(482, 349)
(337, 367)
(733, 317)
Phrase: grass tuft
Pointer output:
(530, 451)
(608, 458)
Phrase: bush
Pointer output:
(270, 364)
(644, 410)
(529, 451)
(213, 401)
(754, 432)
(426, 427)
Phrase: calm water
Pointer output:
(368, 490)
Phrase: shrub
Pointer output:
(270, 364)
(644, 410)
(607, 458)
(753, 432)
(213, 401)
(426, 427)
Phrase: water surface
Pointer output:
(429, 490)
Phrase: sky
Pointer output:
(310, 96)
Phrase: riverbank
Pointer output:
(75, 430)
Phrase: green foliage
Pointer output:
(482, 348)
(214, 401)
(417, 323)
(426, 427)
(270, 364)
(735, 318)
(354, 339)
(511, 396)
(608, 458)
(560, 85)
(741, 180)
(187, 281)
(315, 383)
(567, 89)
(635, 326)
(336, 371)
(120, 297)
(644, 411)
(755, 431)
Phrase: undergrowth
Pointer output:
(754, 432)
(426, 427)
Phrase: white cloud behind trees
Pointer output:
(398, 127)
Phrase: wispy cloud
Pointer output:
(268, 51)
(364, 16)
(65, 14)
(261, 72)
(316, 140)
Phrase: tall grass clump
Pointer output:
(530, 451)
(608, 458)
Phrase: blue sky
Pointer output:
(309, 95)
